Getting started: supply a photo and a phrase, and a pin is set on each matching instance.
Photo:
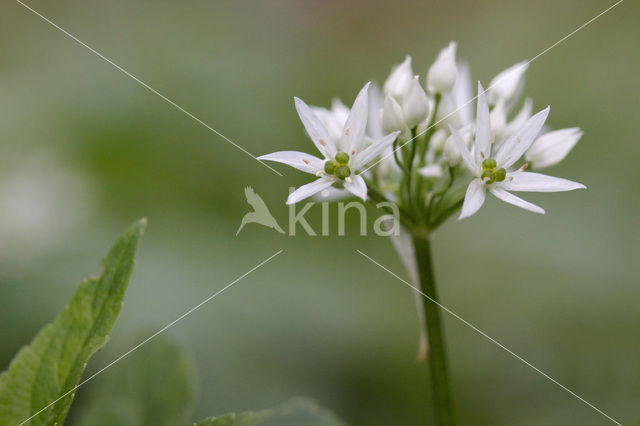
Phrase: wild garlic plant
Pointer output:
(420, 147)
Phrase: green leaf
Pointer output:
(51, 366)
(154, 388)
(296, 412)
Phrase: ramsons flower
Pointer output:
(492, 170)
(342, 159)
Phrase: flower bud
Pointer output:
(551, 148)
(399, 80)
(507, 84)
(442, 74)
(392, 118)
(451, 152)
(438, 140)
(415, 104)
(431, 171)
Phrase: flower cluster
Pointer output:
(422, 146)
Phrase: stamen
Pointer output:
(492, 139)
(321, 142)
(481, 154)
(510, 178)
(524, 167)
(353, 151)
(347, 179)
(305, 161)
(319, 173)
(346, 131)
(518, 140)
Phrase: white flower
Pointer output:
(508, 84)
(398, 82)
(342, 159)
(491, 168)
(442, 74)
(551, 148)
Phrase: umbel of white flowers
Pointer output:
(352, 140)
(419, 145)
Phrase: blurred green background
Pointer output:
(85, 150)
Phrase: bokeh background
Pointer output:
(85, 150)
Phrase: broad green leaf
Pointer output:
(51, 366)
(296, 412)
(154, 387)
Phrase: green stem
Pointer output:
(378, 197)
(441, 389)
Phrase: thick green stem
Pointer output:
(437, 359)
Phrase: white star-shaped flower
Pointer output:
(342, 158)
(492, 169)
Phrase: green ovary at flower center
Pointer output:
(490, 172)
(338, 166)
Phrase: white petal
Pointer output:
(464, 151)
(551, 148)
(483, 127)
(306, 191)
(362, 158)
(536, 182)
(523, 115)
(516, 201)
(356, 124)
(507, 83)
(415, 104)
(316, 130)
(357, 187)
(300, 160)
(376, 99)
(442, 74)
(473, 199)
(461, 94)
(398, 81)
(521, 140)
(331, 194)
